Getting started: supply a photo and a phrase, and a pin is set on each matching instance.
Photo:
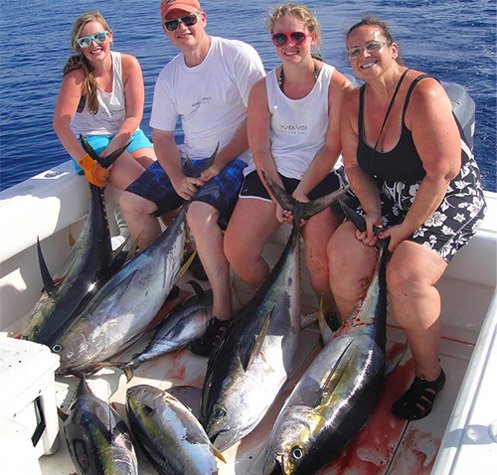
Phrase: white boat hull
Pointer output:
(459, 436)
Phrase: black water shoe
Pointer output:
(417, 401)
(211, 338)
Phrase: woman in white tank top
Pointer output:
(101, 97)
(294, 135)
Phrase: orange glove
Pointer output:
(94, 172)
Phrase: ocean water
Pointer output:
(454, 40)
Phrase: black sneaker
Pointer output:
(211, 338)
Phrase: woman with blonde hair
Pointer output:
(101, 98)
(294, 136)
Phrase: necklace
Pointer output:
(281, 77)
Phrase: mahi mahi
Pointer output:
(338, 392)
(246, 372)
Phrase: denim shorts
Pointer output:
(221, 191)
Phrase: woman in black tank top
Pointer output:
(415, 178)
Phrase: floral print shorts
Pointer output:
(453, 223)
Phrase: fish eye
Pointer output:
(219, 412)
(57, 348)
(297, 453)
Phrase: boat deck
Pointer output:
(386, 445)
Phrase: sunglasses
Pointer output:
(85, 41)
(296, 37)
(187, 20)
(370, 47)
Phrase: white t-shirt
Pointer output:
(298, 126)
(210, 98)
(111, 107)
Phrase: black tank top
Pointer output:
(402, 163)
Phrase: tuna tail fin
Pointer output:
(48, 282)
(128, 370)
(197, 288)
(62, 414)
(126, 367)
(356, 219)
(192, 172)
(105, 162)
(299, 209)
(360, 223)
(211, 159)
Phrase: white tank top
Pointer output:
(111, 107)
(298, 126)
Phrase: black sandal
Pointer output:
(417, 401)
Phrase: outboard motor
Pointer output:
(464, 109)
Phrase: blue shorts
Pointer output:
(221, 191)
(100, 142)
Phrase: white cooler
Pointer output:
(27, 395)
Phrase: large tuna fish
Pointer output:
(124, 307)
(183, 324)
(89, 265)
(246, 372)
(97, 438)
(169, 433)
(337, 393)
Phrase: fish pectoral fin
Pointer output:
(331, 379)
(255, 348)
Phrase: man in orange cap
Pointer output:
(206, 85)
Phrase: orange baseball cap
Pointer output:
(167, 6)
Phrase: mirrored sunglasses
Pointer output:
(85, 41)
(370, 47)
(296, 37)
(187, 20)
